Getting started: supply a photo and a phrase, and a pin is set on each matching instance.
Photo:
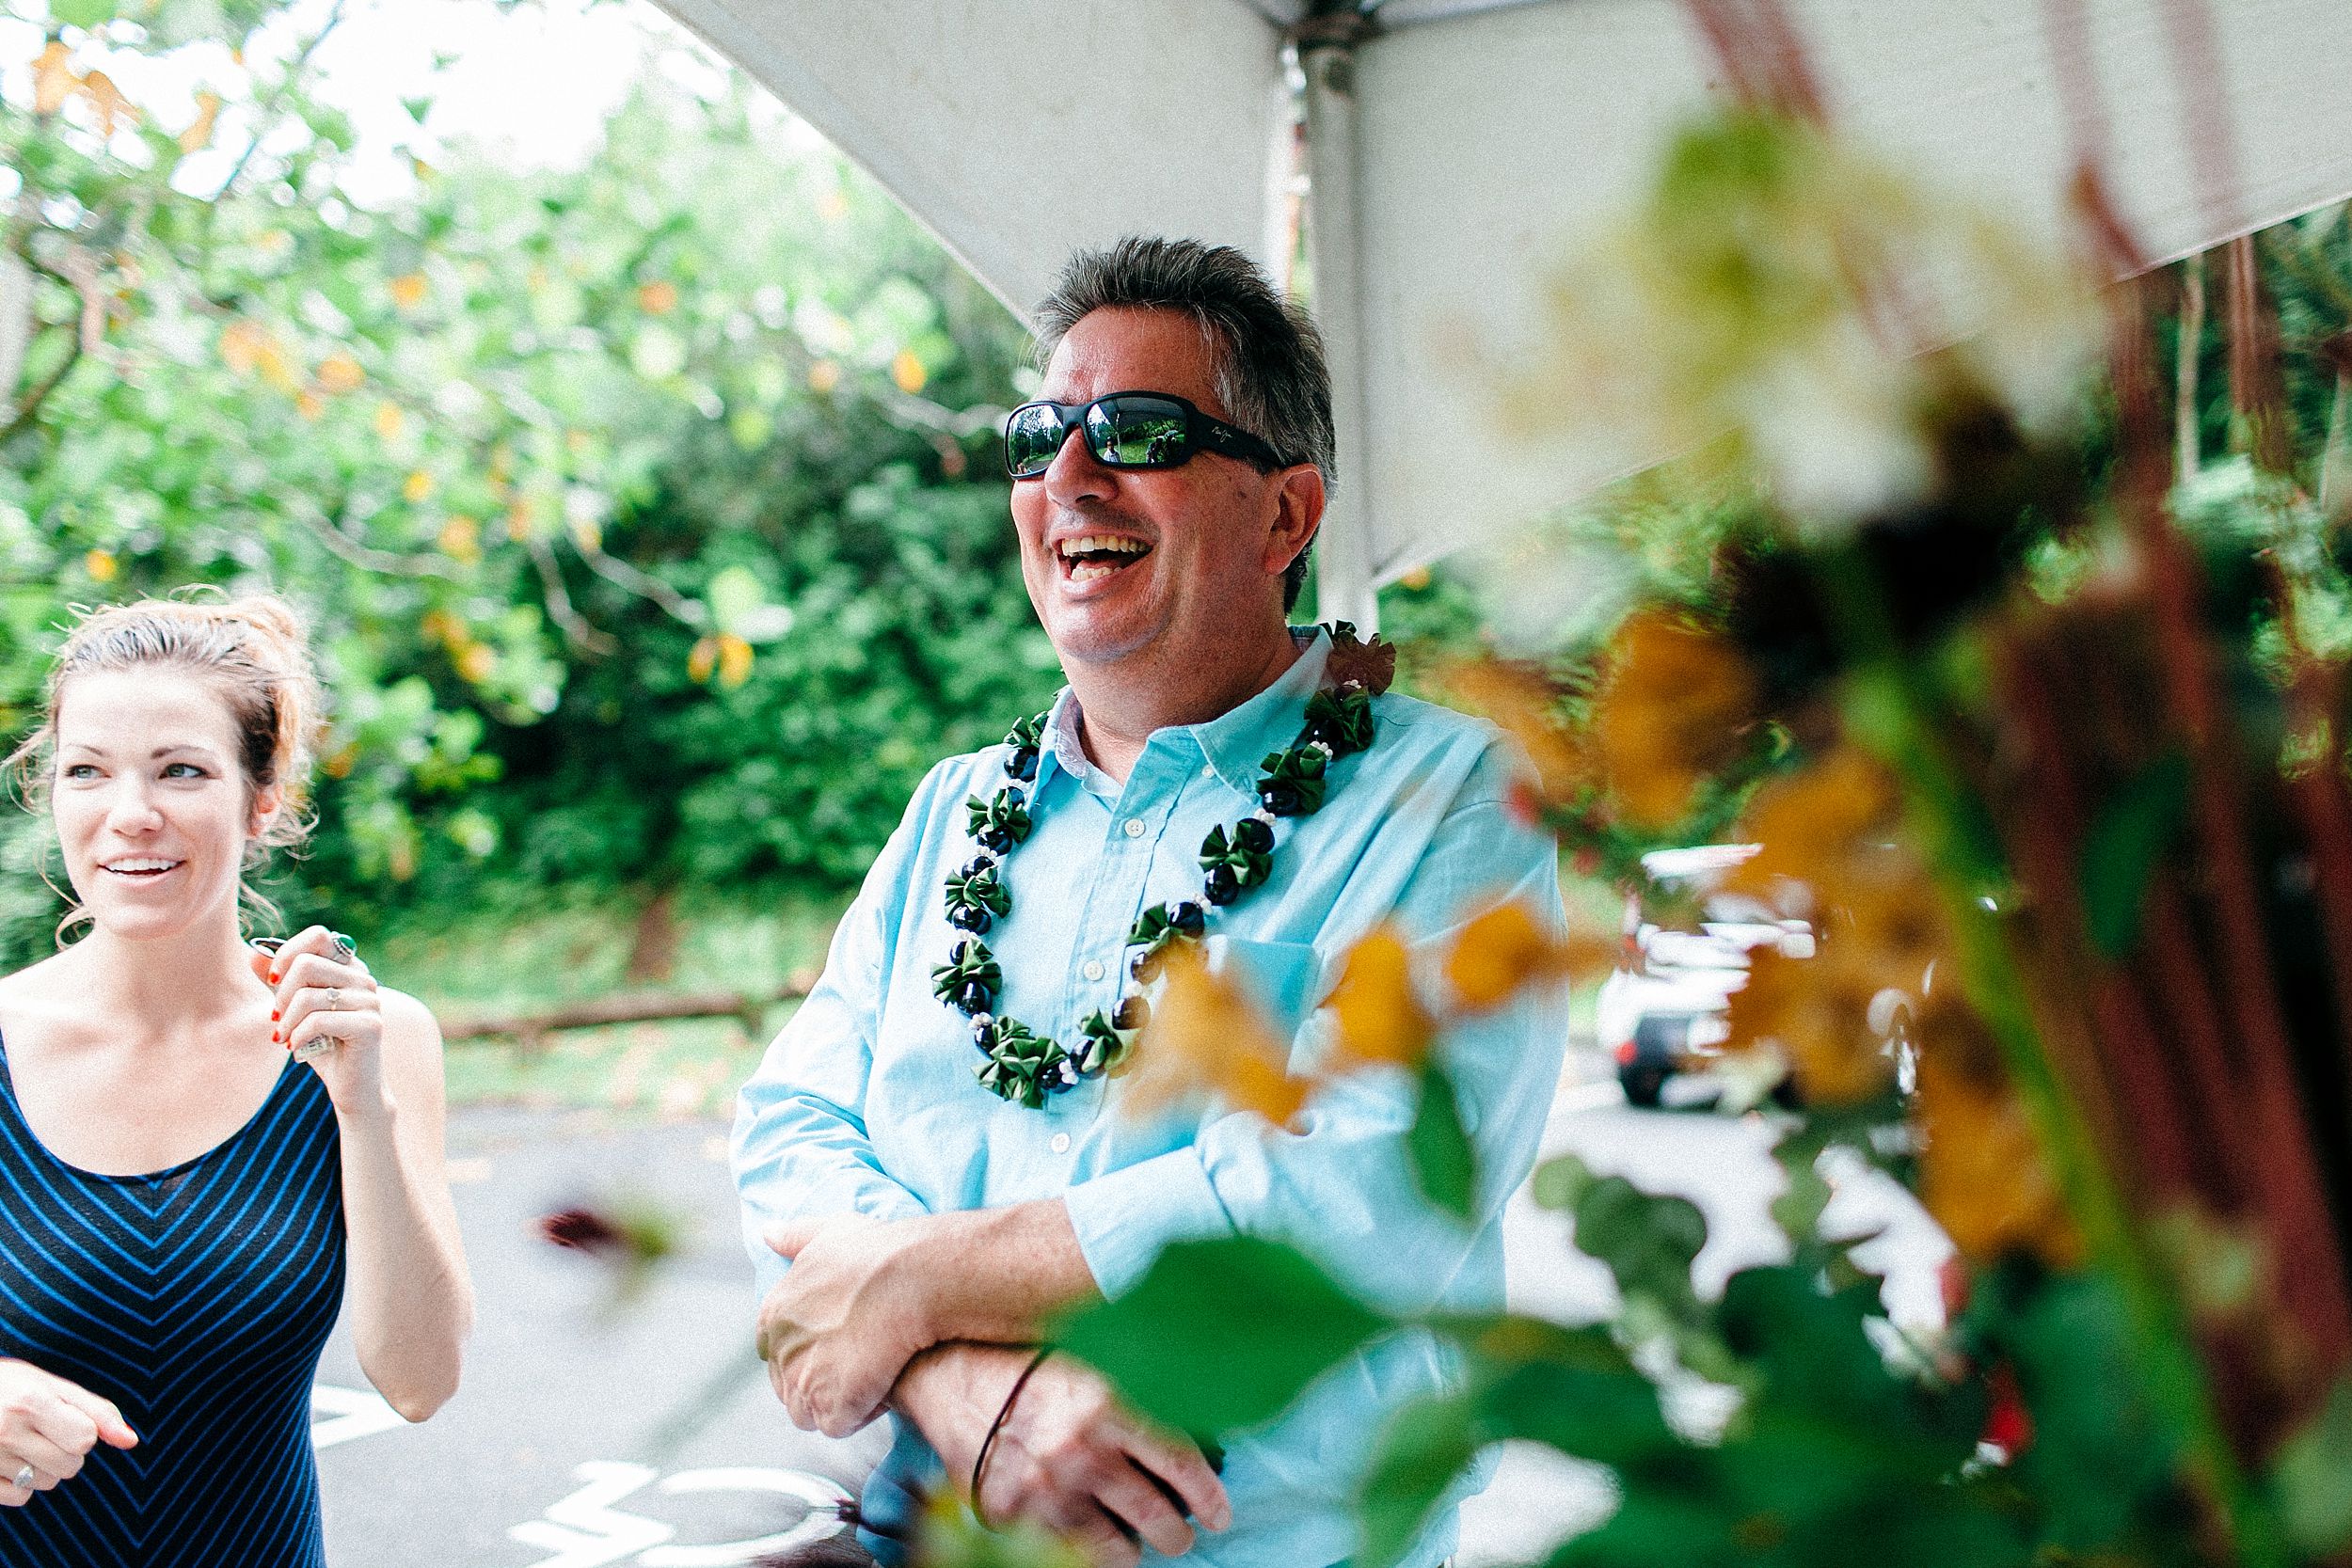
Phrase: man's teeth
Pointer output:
(1101, 544)
(141, 865)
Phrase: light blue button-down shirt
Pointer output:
(867, 1102)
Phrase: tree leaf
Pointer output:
(1443, 1161)
(1647, 1242)
(2123, 848)
(83, 13)
(2312, 1478)
(1424, 1446)
(1220, 1335)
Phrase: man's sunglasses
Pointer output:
(1125, 430)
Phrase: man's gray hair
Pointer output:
(1266, 356)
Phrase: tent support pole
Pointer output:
(1346, 588)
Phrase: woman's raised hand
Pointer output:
(46, 1426)
(328, 1013)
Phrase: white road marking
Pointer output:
(586, 1530)
(823, 1498)
(349, 1412)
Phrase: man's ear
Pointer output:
(1297, 517)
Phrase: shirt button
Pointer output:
(1094, 969)
(1135, 827)
(1061, 1143)
(1210, 771)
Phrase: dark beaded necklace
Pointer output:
(1025, 1067)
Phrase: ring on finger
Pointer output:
(334, 998)
(24, 1478)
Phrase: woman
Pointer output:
(203, 1141)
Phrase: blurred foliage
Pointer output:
(2039, 725)
(656, 494)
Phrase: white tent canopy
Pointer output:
(1455, 148)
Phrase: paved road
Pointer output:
(597, 1430)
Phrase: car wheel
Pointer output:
(1642, 1083)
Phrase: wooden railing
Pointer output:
(529, 1031)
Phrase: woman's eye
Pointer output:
(184, 770)
(77, 770)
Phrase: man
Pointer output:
(937, 1203)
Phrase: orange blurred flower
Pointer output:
(1981, 1170)
(1523, 700)
(1380, 1018)
(1811, 824)
(1507, 949)
(1816, 1013)
(1674, 708)
(341, 373)
(1205, 1037)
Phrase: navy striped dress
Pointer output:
(198, 1299)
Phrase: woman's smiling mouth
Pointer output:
(139, 868)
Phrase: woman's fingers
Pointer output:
(340, 1011)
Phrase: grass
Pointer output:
(577, 948)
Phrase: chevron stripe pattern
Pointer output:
(198, 1299)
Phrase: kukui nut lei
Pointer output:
(1025, 1067)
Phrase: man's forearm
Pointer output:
(999, 1274)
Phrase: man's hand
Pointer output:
(845, 1321)
(1068, 1457)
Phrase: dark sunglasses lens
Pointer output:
(1137, 432)
(1032, 436)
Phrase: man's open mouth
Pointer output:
(1098, 555)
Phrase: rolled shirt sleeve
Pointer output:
(799, 1148)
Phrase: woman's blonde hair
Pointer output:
(255, 652)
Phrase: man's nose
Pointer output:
(1074, 475)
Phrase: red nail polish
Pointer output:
(274, 1040)
(273, 1015)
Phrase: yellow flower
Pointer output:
(340, 373)
(199, 130)
(477, 662)
(461, 540)
(908, 371)
(408, 289)
(1506, 949)
(417, 488)
(658, 298)
(701, 661)
(389, 421)
(1381, 1018)
(734, 660)
(1815, 1014)
(1674, 708)
(1810, 824)
(108, 101)
(54, 80)
(823, 376)
(1206, 1039)
(102, 566)
(1981, 1170)
(1519, 698)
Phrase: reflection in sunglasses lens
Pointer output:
(1031, 439)
(1137, 432)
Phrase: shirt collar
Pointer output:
(1234, 743)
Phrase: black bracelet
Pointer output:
(987, 1444)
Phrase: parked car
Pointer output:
(1666, 1012)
